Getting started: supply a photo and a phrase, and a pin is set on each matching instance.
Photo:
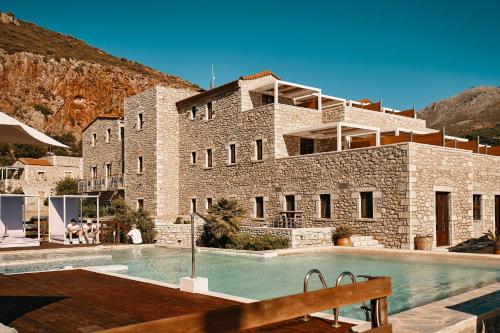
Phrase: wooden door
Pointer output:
(442, 218)
(497, 213)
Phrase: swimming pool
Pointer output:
(415, 280)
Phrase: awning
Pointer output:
(14, 131)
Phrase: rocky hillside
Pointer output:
(57, 83)
(473, 112)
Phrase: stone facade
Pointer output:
(175, 145)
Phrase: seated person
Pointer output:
(90, 232)
(72, 230)
(135, 234)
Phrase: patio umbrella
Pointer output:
(14, 131)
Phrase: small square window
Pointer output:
(94, 139)
(194, 110)
(108, 135)
(93, 171)
(209, 162)
(259, 150)
(366, 205)
(140, 121)
(476, 206)
(232, 153)
(259, 207)
(140, 204)
(267, 99)
(325, 206)
(193, 157)
(41, 176)
(67, 174)
(210, 111)
(140, 165)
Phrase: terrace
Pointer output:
(101, 184)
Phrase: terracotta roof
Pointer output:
(259, 75)
(365, 100)
(230, 86)
(34, 161)
(103, 116)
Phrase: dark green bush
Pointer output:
(264, 242)
(224, 221)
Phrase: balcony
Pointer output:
(111, 183)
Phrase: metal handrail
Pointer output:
(364, 307)
(306, 283)
(193, 243)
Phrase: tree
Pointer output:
(129, 216)
(224, 221)
(66, 186)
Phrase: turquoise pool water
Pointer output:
(415, 280)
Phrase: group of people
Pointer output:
(89, 232)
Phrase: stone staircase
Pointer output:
(365, 241)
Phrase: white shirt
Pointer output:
(136, 236)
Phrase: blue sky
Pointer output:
(407, 52)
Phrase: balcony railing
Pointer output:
(289, 219)
(110, 183)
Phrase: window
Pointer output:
(366, 205)
(140, 165)
(108, 169)
(306, 146)
(476, 206)
(232, 153)
(94, 139)
(193, 205)
(67, 174)
(259, 207)
(210, 111)
(140, 121)
(267, 99)
(93, 171)
(140, 204)
(108, 135)
(290, 203)
(193, 157)
(208, 203)
(209, 158)
(41, 175)
(325, 208)
(194, 109)
(259, 151)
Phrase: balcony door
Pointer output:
(442, 218)
(108, 173)
(497, 213)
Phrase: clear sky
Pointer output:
(407, 52)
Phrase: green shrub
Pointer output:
(66, 186)
(224, 221)
(143, 221)
(264, 242)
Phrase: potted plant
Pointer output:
(342, 235)
(496, 240)
(424, 242)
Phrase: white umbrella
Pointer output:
(14, 131)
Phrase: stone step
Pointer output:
(365, 241)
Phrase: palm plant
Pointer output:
(224, 221)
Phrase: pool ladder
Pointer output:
(342, 275)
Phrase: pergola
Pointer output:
(299, 93)
(62, 209)
(337, 130)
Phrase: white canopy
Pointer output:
(14, 131)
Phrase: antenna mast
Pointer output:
(212, 82)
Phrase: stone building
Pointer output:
(38, 176)
(298, 159)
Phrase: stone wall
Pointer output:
(298, 238)
(385, 121)
(486, 180)
(176, 235)
(103, 152)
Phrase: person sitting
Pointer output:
(72, 230)
(135, 234)
(90, 232)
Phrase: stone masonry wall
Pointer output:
(103, 152)
(298, 238)
(385, 121)
(486, 183)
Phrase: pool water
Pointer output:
(415, 280)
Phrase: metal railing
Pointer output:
(110, 183)
(289, 219)
(306, 284)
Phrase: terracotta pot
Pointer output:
(344, 241)
(496, 247)
(423, 243)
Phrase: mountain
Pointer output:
(58, 84)
(473, 112)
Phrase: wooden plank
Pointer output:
(386, 328)
(247, 316)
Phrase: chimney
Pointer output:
(212, 82)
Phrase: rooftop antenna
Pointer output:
(212, 82)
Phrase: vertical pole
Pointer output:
(98, 222)
(444, 136)
(377, 138)
(193, 262)
(411, 136)
(339, 137)
(276, 97)
(48, 221)
(38, 209)
(64, 218)
(320, 106)
(478, 139)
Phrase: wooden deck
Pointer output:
(82, 301)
